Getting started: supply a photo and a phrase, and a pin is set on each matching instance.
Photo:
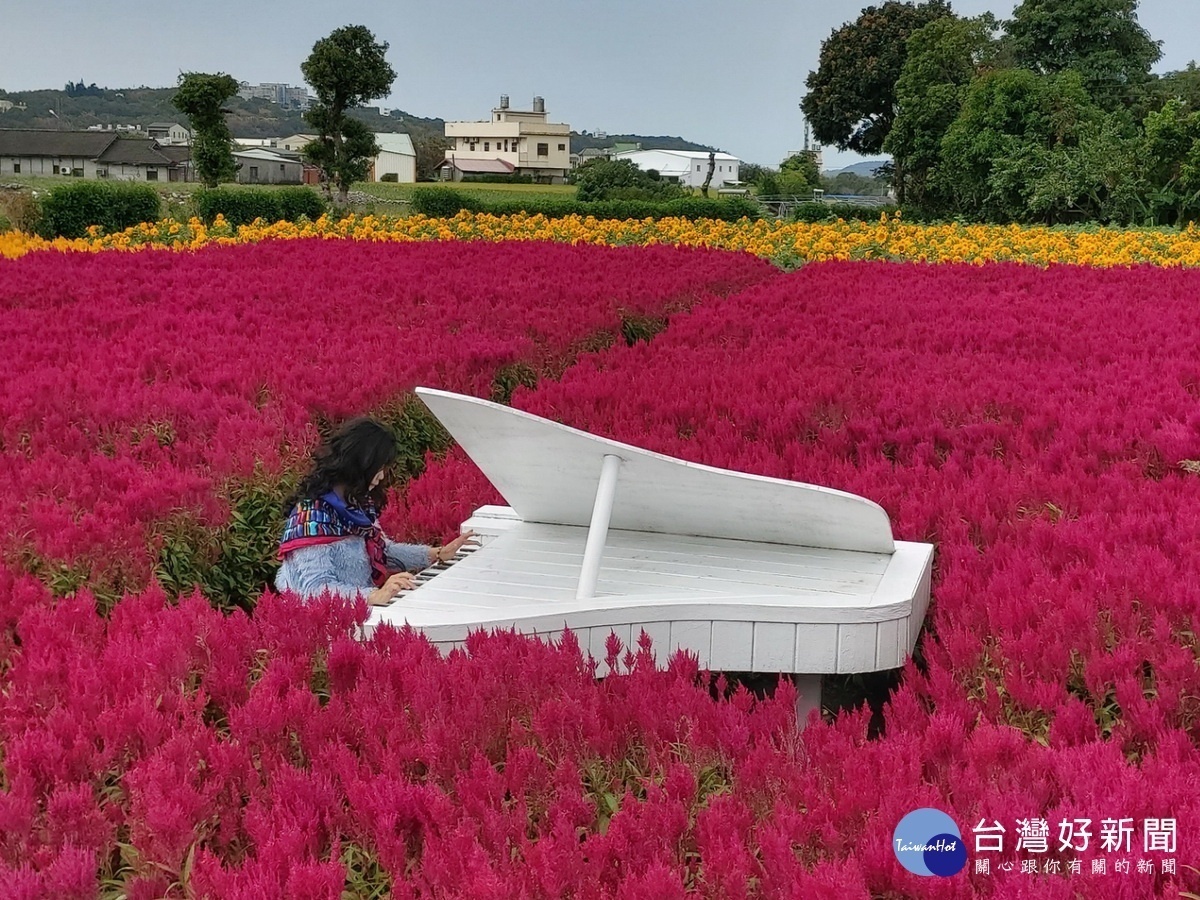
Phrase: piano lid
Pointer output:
(549, 473)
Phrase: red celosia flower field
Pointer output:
(132, 387)
(1038, 425)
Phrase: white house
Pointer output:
(396, 157)
(523, 140)
(169, 134)
(690, 167)
(295, 143)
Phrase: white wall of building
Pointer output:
(403, 165)
(45, 165)
(689, 166)
(522, 138)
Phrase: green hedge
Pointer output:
(445, 202)
(241, 206)
(68, 210)
(831, 212)
(442, 203)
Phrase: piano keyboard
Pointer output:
(425, 575)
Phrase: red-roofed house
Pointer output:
(523, 139)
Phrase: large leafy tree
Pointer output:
(1171, 158)
(798, 174)
(345, 70)
(1100, 39)
(851, 99)
(1182, 85)
(991, 150)
(1094, 177)
(201, 98)
(943, 57)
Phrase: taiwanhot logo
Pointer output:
(927, 842)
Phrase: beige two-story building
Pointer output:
(517, 142)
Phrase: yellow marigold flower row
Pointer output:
(788, 243)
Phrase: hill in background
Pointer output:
(866, 168)
(52, 109)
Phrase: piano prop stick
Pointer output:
(752, 574)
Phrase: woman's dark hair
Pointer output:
(351, 456)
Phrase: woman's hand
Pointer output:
(385, 594)
(446, 553)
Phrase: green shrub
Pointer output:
(22, 210)
(241, 206)
(442, 203)
(298, 202)
(233, 563)
(445, 202)
(621, 179)
(390, 177)
(726, 209)
(70, 209)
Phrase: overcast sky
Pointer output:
(730, 74)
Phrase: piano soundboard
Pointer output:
(751, 574)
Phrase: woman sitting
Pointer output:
(332, 540)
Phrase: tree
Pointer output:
(345, 70)
(1095, 177)
(798, 174)
(852, 183)
(431, 151)
(1183, 85)
(712, 167)
(1171, 158)
(942, 59)
(989, 154)
(851, 99)
(621, 179)
(201, 98)
(1100, 39)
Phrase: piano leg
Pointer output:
(808, 697)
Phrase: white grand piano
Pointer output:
(751, 574)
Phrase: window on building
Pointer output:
(487, 146)
(102, 172)
(543, 150)
(472, 146)
(16, 168)
(562, 146)
(152, 174)
(77, 173)
(283, 167)
(253, 173)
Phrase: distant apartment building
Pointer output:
(520, 142)
(285, 95)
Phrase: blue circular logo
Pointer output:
(927, 842)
